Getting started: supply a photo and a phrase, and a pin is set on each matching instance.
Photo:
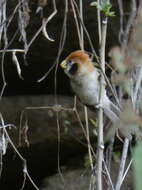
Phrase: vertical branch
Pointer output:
(121, 12)
(5, 25)
(81, 27)
(3, 35)
(61, 46)
(59, 148)
(85, 31)
(100, 115)
(92, 180)
(130, 23)
(122, 164)
(124, 44)
(85, 108)
(99, 21)
(76, 22)
(88, 137)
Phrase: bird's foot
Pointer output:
(99, 106)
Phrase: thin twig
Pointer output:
(12, 50)
(122, 164)
(18, 153)
(86, 32)
(59, 141)
(76, 22)
(121, 12)
(100, 114)
(81, 27)
(108, 175)
(88, 137)
(61, 46)
(21, 157)
(41, 28)
(99, 22)
(127, 169)
(137, 87)
(92, 180)
(44, 22)
(130, 23)
(60, 49)
(109, 153)
(3, 76)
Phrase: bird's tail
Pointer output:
(112, 112)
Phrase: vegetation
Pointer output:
(124, 82)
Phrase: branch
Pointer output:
(122, 165)
(102, 90)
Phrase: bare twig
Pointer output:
(45, 22)
(137, 87)
(108, 175)
(127, 169)
(121, 31)
(77, 24)
(86, 32)
(12, 50)
(16, 62)
(61, 45)
(88, 137)
(59, 141)
(130, 23)
(3, 76)
(102, 90)
(5, 27)
(122, 164)
(109, 153)
(17, 152)
(60, 49)
(81, 27)
(23, 20)
(92, 180)
(99, 22)
(43, 27)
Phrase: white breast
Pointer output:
(86, 87)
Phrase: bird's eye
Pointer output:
(73, 69)
(70, 62)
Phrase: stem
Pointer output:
(99, 22)
(102, 90)
(88, 138)
(81, 27)
(127, 169)
(122, 164)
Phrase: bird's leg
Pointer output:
(99, 106)
(118, 136)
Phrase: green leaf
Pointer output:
(138, 166)
(105, 7)
(97, 5)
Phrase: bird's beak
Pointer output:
(64, 64)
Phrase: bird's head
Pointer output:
(77, 63)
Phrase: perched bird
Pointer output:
(84, 78)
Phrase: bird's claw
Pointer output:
(99, 106)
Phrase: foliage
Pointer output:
(105, 6)
(138, 166)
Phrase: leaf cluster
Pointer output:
(105, 6)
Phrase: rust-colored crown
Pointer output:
(79, 54)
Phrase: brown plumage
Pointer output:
(81, 57)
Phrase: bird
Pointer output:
(85, 82)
